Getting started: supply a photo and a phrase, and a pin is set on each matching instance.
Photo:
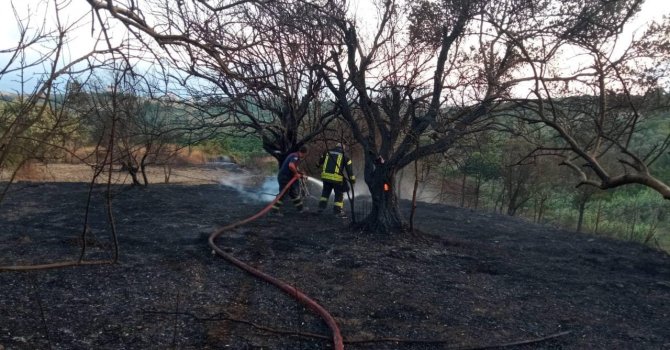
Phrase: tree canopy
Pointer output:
(417, 79)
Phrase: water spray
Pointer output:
(251, 187)
(315, 181)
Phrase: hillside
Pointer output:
(470, 280)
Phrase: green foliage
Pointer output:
(485, 166)
(243, 145)
(650, 136)
(631, 212)
(211, 147)
(241, 148)
(34, 130)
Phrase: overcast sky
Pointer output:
(81, 41)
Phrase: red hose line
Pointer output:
(287, 288)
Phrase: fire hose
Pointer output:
(286, 288)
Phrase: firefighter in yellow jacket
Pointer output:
(334, 164)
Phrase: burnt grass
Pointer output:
(469, 280)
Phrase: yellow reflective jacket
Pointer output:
(332, 165)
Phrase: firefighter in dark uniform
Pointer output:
(288, 170)
(333, 163)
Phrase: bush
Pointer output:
(30, 171)
(247, 150)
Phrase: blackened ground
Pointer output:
(472, 279)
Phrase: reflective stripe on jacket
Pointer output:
(333, 164)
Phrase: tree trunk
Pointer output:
(500, 201)
(653, 226)
(478, 186)
(632, 226)
(132, 171)
(598, 213)
(443, 188)
(416, 186)
(512, 205)
(580, 220)
(540, 214)
(143, 168)
(167, 172)
(493, 195)
(463, 190)
(385, 216)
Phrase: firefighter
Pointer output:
(333, 163)
(289, 169)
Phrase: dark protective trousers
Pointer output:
(293, 193)
(339, 189)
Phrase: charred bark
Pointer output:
(385, 217)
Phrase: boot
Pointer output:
(340, 214)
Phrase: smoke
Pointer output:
(427, 191)
(263, 189)
(253, 188)
(360, 189)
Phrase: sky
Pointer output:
(39, 15)
(77, 13)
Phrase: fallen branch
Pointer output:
(42, 315)
(517, 343)
(477, 347)
(54, 265)
(221, 317)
